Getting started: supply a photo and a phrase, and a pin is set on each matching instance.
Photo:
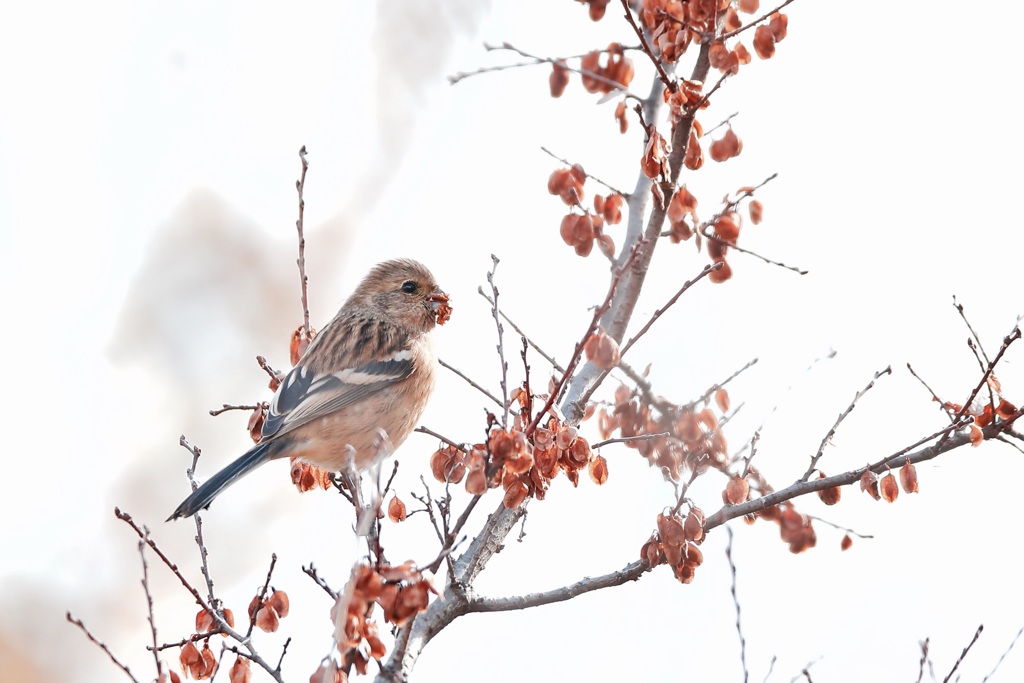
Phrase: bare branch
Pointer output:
(974, 335)
(1007, 341)
(723, 122)
(198, 520)
(522, 334)
(300, 185)
(589, 175)
(274, 374)
(842, 416)
(667, 80)
(262, 594)
(975, 345)
(949, 440)
(840, 528)
(501, 341)
(582, 401)
(736, 602)
(630, 572)
(721, 385)
(1003, 656)
(100, 644)
(441, 437)
(963, 654)
(755, 22)
(311, 572)
(534, 61)
(629, 439)
(469, 381)
(599, 312)
(753, 451)
(732, 245)
(951, 414)
(225, 407)
(707, 270)
(149, 609)
(924, 659)
(218, 618)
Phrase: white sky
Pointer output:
(147, 162)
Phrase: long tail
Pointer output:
(204, 495)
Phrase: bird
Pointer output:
(370, 369)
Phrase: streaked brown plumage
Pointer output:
(371, 368)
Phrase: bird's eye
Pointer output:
(409, 287)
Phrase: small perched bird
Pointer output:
(370, 369)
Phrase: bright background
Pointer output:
(147, 208)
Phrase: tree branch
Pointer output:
(630, 572)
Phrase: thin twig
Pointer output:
(706, 232)
(723, 122)
(198, 520)
(284, 651)
(274, 374)
(101, 645)
(226, 407)
(428, 505)
(736, 602)
(630, 572)
(1003, 656)
(648, 50)
(974, 335)
(464, 517)
(950, 413)
(589, 175)
(681, 495)
(1009, 443)
(469, 381)
(840, 528)
(981, 627)
(194, 638)
(753, 451)
(647, 326)
(527, 392)
(300, 185)
(924, 659)
(800, 488)
(707, 270)
(806, 672)
(218, 619)
(578, 351)
(721, 385)
(696, 106)
(755, 22)
(976, 347)
(951, 429)
(549, 358)
(394, 473)
(1007, 341)
(261, 595)
(501, 341)
(425, 430)
(842, 416)
(627, 439)
(149, 609)
(311, 572)
(535, 60)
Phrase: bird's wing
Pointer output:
(306, 395)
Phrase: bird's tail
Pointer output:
(204, 495)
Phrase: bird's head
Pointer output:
(405, 291)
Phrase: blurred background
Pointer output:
(148, 155)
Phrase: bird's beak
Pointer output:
(439, 305)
